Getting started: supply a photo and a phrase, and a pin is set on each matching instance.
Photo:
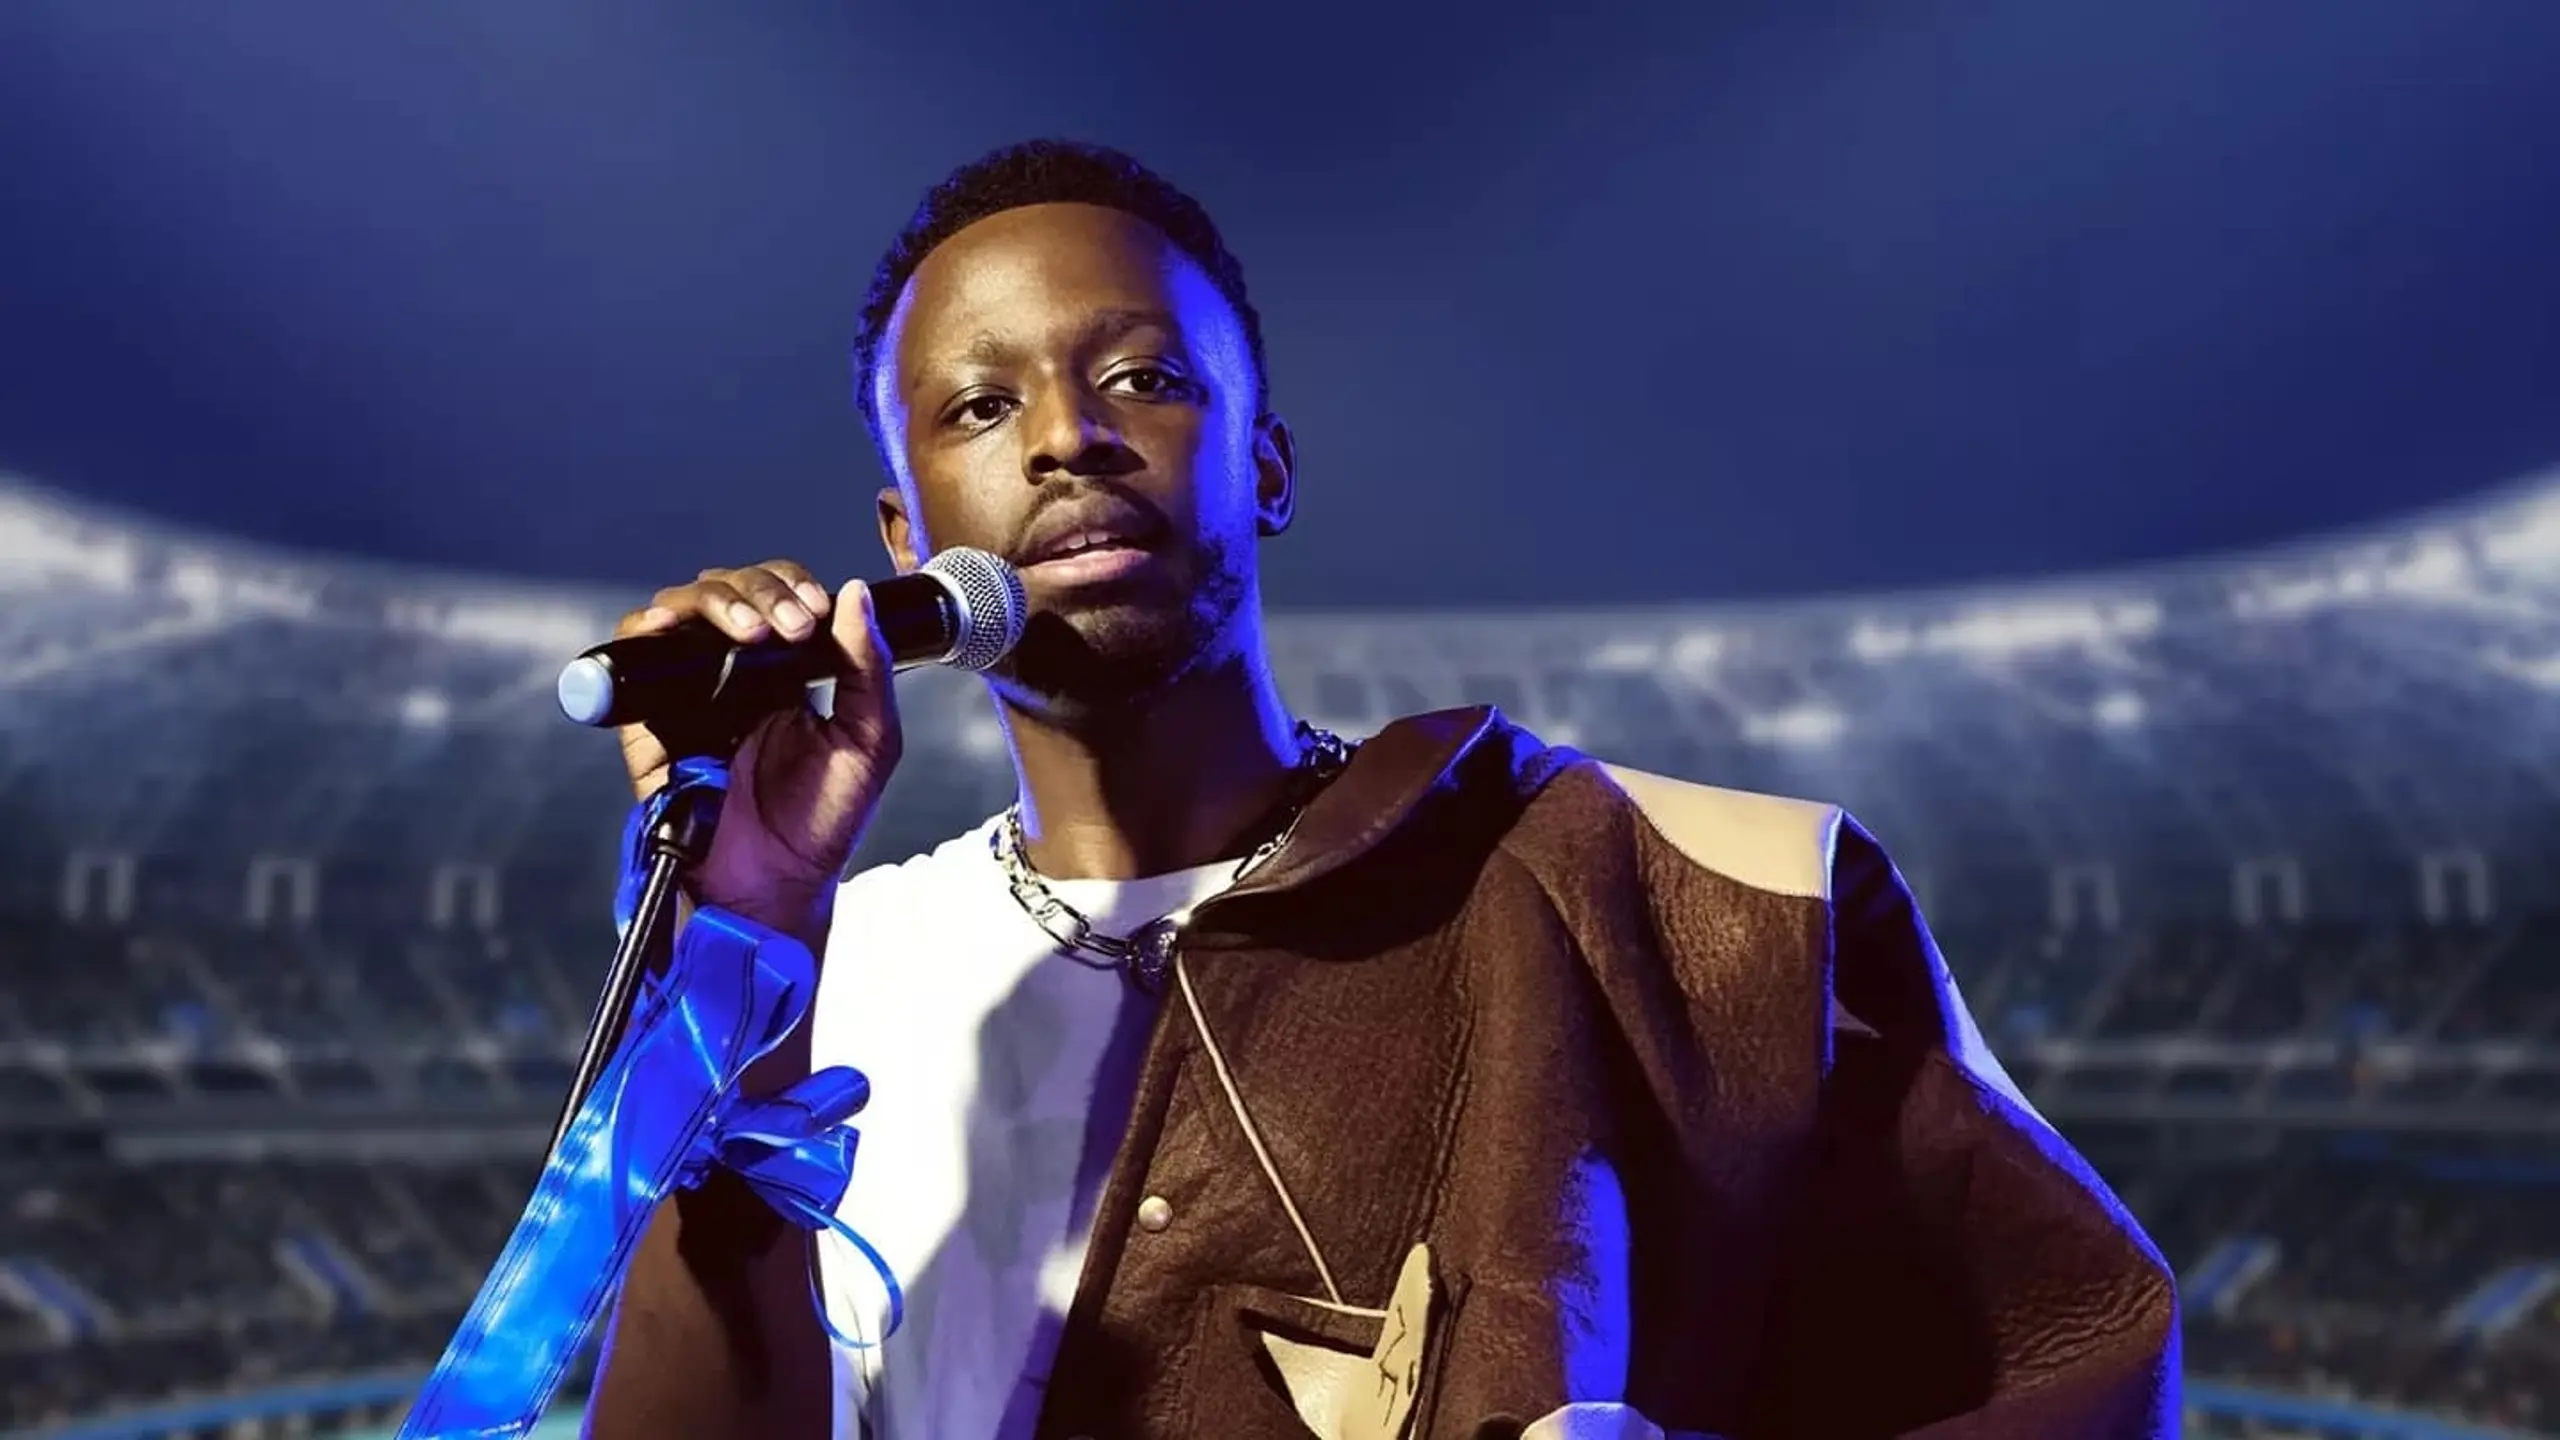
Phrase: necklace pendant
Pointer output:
(1151, 955)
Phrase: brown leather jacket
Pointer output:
(1518, 1095)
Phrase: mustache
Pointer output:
(1081, 492)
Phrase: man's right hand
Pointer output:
(802, 786)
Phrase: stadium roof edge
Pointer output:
(2538, 487)
(390, 573)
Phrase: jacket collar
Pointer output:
(1390, 777)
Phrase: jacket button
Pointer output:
(1154, 1214)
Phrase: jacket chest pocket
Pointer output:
(1270, 1364)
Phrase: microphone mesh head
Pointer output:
(991, 603)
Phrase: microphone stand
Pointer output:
(675, 844)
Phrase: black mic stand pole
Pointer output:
(675, 844)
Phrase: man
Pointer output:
(1240, 1083)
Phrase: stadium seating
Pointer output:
(304, 898)
(2371, 1255)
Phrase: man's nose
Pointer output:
(1071, 432)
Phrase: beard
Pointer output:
(1114, 652)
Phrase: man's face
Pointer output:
(1072, 393)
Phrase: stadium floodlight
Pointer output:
(1871, 640)
(2428, 566)
(1998, 632)
(2121, 710)
(1801, 726)
(1695, 653)
(37, 548)
(425, 709)
(2542, 672)
(543, 627)
(2284, 599)
(1625, 655)
(2006, 630)
(2437, 570)
(207, 583)
(2528, 540)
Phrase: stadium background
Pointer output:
(1584, 315)
(2246, 866)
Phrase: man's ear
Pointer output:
(897, 534)
(1275, 463)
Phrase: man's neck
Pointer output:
(1162, 788)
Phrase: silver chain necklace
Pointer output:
(1145, 955)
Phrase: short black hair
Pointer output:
(1045, 172)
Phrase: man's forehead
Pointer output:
(989, 346)
(1041, 272)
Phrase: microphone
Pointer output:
(963, 608)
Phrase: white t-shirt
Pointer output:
(1001, 1075)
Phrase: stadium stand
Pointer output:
(2246, 866)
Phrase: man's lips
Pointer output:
(1068, 546)
(1092, 522)
(1098, 563)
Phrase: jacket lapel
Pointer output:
(1390, 778)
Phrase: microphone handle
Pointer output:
(919, 622)
(919, 619)
(695, 667)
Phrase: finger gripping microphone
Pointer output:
(963, 608)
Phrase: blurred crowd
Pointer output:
(96, 1017)
(215, 1276)
(2329, 1261)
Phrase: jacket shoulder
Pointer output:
(1768, 842)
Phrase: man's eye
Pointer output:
(981, 410)
(1148, 380)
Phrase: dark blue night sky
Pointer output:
(1653, 302)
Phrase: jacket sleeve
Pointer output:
(1961, 1272)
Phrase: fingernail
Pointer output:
(815, 594)
(790, 617)
(657, 615)
(744, 616)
